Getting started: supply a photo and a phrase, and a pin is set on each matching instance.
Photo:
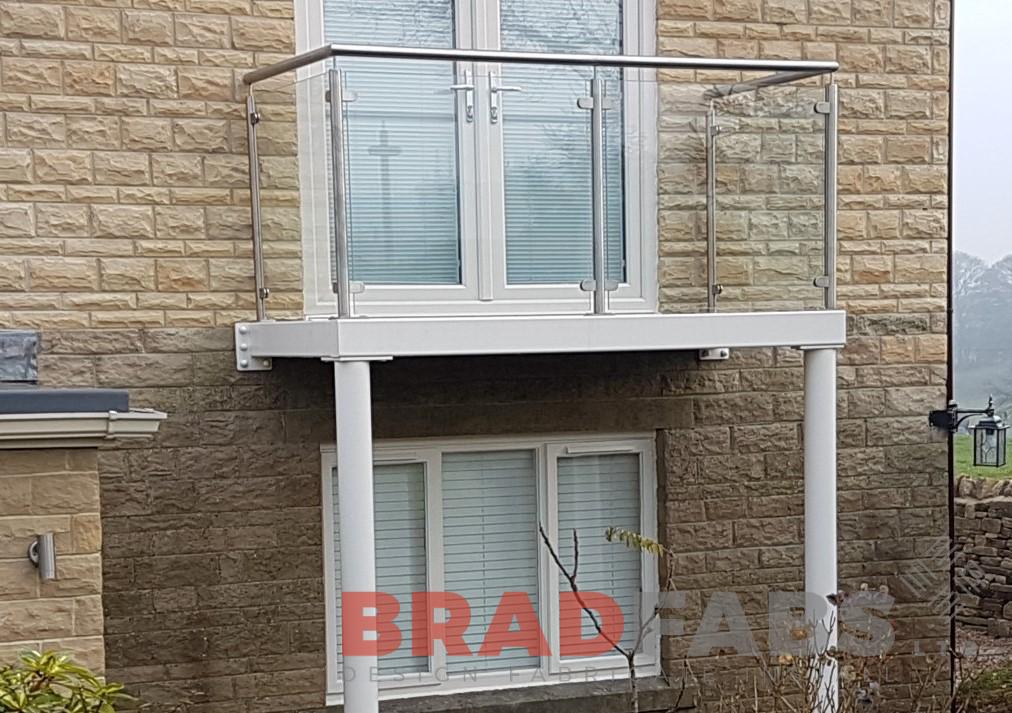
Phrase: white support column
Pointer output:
(821, 577)
(355, 510)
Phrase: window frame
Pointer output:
(481, 199)
(548, 449)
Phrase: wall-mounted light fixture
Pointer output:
(989, 433)
(42, 553)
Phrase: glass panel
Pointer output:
(770, 164)
(490, 525)
(681, 196)
(400, 552)
(597, 492)
(546, 142)
(402, 167)
(277, 145)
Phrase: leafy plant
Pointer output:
(51, 683)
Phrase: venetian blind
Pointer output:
(546, 142)
(400, 552)
(401, 143)
(597, 492)
(490, 543)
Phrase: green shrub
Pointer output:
(52, 683)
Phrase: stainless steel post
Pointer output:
(712, 288)
(262, 293)
(597, 189)
(342, 278)
(831, 163)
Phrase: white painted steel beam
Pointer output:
(389, 337)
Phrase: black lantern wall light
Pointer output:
(989, 443)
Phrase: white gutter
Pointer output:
(76, 429)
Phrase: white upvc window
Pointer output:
(462, 516)
(469, 200)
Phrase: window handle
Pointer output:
(496, 89)
(467, 86)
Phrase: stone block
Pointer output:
(34, 619)
(62, 166)
(61, 220)
(31, 76)
(255, 33)
(90, 78)
(31, 20)
(786, 11)
(182, 275)
(201, 30)
(206, 83)
(127, 274)
(201, 135)
(153, 28)
(62, 274)
(93, 24)
(122, 221)
(122, 168)
(142, 80)
(15, 165)
(93, 132)
(745, 10)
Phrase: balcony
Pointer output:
(479, 202)
(461, 202)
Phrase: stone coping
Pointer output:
(31, 399)
(968, 486)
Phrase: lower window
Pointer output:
(463, 517)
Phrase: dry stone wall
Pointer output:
(984, 553)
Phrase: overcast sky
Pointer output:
(983, 128)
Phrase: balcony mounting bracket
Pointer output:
(244, 361)
(714, 354)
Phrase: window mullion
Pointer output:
(489, 238)
(434, 541)
(550, 615)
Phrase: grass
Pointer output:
(964, 461)
(991, 692)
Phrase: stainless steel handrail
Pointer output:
(791, 69)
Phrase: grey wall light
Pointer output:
(42, 553)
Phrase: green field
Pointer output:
(964, 461)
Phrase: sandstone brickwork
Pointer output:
(124, 236)
(54, 491)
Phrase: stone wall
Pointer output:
(983, 552)
(51, 491)
(124, 236)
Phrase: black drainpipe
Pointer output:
(950, 344)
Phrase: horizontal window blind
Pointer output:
(490, 520)
(400, 552)
(546, 143)
(597, 492)
(401, 143)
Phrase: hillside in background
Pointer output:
(982, 337)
